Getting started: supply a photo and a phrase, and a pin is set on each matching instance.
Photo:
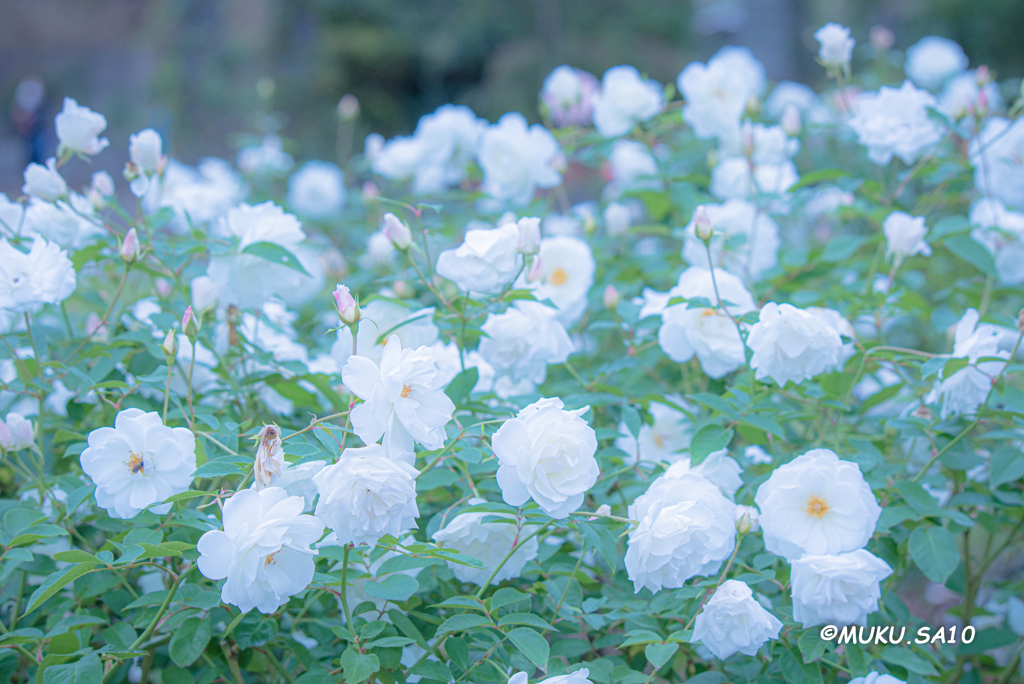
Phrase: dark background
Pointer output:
(190, 68)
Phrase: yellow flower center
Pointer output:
(558, 277)
(405, 391)
(136, 465)
(270, 559)
(659, 440)
(816, 507)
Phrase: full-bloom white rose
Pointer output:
(546, 454)
(138, 462)
(904, 235)
(1001, 232)
(489, 542)
(876, 678)
(366, 495)
(403, 399)
(625, 99)
(790, 344)
(28, 281)
(523, 340)
(317, 189)
(686, 529)
(517, 159)
(632, 166)
(895, 121)
(718, 468)
(487, 260)
(718, 93)
(836, 46)
(380, 319)
(199, 195)
(997, 155)
(297, 480)
(932, 60)
(732, 621)
(11, 216)
(786, 94)
(841, 589)
(263, 551)
(71, 222)
(816, 504)
(78, 129)
(568, 94)
(759, 161)
(44, 182)
(145, 149)
(836, 320)
(746, 241)
(566, 274)
(963, 392)
(664, 440)
(576, 677)
(16, 433)
(707, 332)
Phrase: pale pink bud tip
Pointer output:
(396, 231)
(611, 297)
(529, 235)
(536, 270)
(702, 224)
(130, 247)
(348, 308)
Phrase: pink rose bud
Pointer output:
(396, 231)
(348, 307)
(702, 224)
(348, 107)
(747, 519)
(791, 119)
(163, 287)
(130, 247)
(170, 345)
(536, 270)
(529, 235)
(611, 298)
(982, 75)
(190, 324)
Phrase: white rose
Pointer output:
(71, 223)
(686, 529)
(617, 218)
(266, 159)
(876, 678)
(138, 462)
(707, 332)
(44, 182)
(836, 44)
(565, 277)
(264, 550)
(895, 121)
(485, 262)
(516, 159)
(718, 468)
(664, 440)
(546, 454)
(997, 155)
(145, 149)
(790, 344)
(297, 480)
(746, 241)
(16, 433)
(625, 99)
(840, 589)
(904, 235)
(963, 97)
(199, 195)
(28, 281)
(317, 190)
(366, 495)
(568, 94)
(380, 319)
(489, 542)
(523, 340)
(403, 399)
(576, 677)
(963, 392)
(717, 93)
(632, 166)
(78, 129)
(816, 504)
(732, 621)
(932, 60)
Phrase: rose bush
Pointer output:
(645, 394)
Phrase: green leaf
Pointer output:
(841, 248)
(631, 417)
(953, 365)
(811, 645)
(973, 253)
(819, 176)
(506, 596)
(523, 619)
(218, 468)
(857, 660)
(75, 556)
(317, 676)
(276, 254)
(457, 623)
(532, 645)
(708, 440)
(54, 583)
(88, 670)
(393, 588)
(601, 538)
(907, 659)
(986, 640)
(358, 666)
(391, 642)
(189, 640)
(918, 498)
(1007, 465)
(659, 654)
(178, 675)
(935, 551)
(406, 627)
(709, 677)
(461, 385)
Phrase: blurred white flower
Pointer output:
(575, 677)
(786, 94)
(568, 96)
(366, 495)
(932, 60)
(565, 276)
(297, 480)
(625, 99)
(44, 182)
(28, 281)
(522, 341)
(842, 589)
(78, 129)
(732, 621)
(138, 462)
(16, 433)
(964, 97)
(546, 454)
(632, 167)
(263, 552)
(488, 542)
(836, 45)
(816, 504)
(1001, 232)
(11, 215)
(895, 121)
(718, 93)
(617, 218)
(876, 678)
(317, 190)
(517, 159)
(664, 440)
(963, 392)
(145, 149)
(199, 195)
(403, 399)
(746, 241)
(791, 344)
(487, 260)
(904, 235)
(997, 155)
(71, 223)
(266, 159)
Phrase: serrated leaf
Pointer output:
(935, 551)
(358, 666)
(1007, 465)
(189, 640)
(88, 670)
(54, 583)
(393, 588)
(659, 654)
(461, 385)
(532, 645)
(907, 659)
(506, 596)
(708, 440)
(458, 623)
(276, 254)
(601, 538)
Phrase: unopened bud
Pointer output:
(163, 287)
(402, 289)
(747, 519)
(396, 231)
(190, 324)
(881, 37)
(348, 307)
(529, 235)
(536, 270)
(170, 345)
(103, 184)
(603, 510)
(1020, 321)
(982, 75)
(702, 224)
(791, 119)
(348, 107)
(130, 247)
(611, 298)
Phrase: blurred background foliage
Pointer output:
(206, 72)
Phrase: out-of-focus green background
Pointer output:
(191, 68)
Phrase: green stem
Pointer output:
(344, 593)
(483, 587)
